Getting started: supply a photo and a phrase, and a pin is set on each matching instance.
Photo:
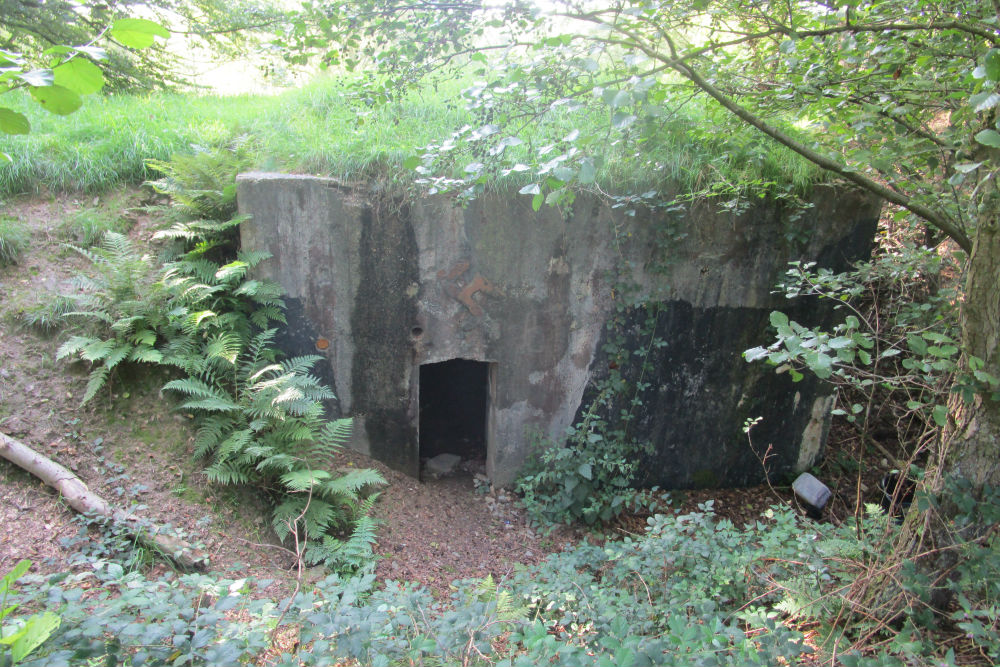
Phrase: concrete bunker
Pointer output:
(396, 287)
(454, 410)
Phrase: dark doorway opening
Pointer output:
(454, 397)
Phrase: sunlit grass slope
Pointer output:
(324, 129)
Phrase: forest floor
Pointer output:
(133, 448)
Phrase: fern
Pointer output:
(303, 479)
(98, 378)
(346, 556)
(227, 472)
(260, 420)
(350, 485)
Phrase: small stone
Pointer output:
(442, 465)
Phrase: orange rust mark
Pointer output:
(322, 343)
(478, 284)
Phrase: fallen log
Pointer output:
(79, 497)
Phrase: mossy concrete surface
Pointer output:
(381, 285)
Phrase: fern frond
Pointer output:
(264, 315)
(206, 397)
(312, 520)
(235, 444)
(301, 365)
(227, 472)
(97, 350)
(98, 377)
(257, 351)
(303, 479)
(270, 368)
(350, 485)
(146, 355)
(126, 325)
(224, 345)
(232, 272)
(346, 556)
(212, 431)
(144, 337)
(337, 433)
(288, 396)
(274, 464)
(73, 346)
(117, 355)
(214, 404)
(253, 257)
(193, 387)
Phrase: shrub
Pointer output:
(589, 478)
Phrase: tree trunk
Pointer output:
(971, 448)
(79, 497)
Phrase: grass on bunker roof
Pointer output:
(327, 128)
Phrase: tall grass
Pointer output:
(14, 239)
(323, 129)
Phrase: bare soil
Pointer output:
(131, 447)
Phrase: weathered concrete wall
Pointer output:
(380, 287)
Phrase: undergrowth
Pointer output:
(202, 314)
(693, 590)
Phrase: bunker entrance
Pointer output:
(454, 399)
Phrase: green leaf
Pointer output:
(585, 471)
(411, 162)
(984, 101)
(56, 99)
(840, 342)
(530, 189)
(966, 167)
(37, 629)
(79, 75)
(778, 319)
(992, 64)
(916, 344)
(588, 172)
(537, 201)
(137, 33)
(16, 572)
(12, 122)
(989, 138)
(940, 414)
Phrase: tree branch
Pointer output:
(933, 217)
(79, 497)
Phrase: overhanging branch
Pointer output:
(933, 217)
